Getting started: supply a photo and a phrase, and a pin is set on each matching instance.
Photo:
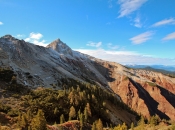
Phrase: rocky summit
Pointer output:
(146, 92)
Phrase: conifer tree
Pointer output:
(29, 115)
(62, 120)
(79, 114)
(117, 127)
(81, 120)
(141, 122)
(132, 126)
(88, 109)
(39, 121)
(23, 121)
(55, 111)
(99, 125)
(123, 127)
(85, 115)
(78, 89)
(19, 121)
(94, 126)
(72, 113)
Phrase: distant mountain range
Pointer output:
(162, 67)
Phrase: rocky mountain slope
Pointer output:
(146, 92)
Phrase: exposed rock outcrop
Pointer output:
(144, 91)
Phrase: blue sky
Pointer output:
(124, 31)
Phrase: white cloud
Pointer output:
(1, 23)
(93, 44)
(164, 22)
(126, 57)
(36, 35)
(137, 22)
(111, 46)
(129, 6)
(20, 36)
(36, 39)
(170, 36)
(142, 37)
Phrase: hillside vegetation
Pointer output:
(77, 106)
(79, 101)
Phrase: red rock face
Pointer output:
(148, 93)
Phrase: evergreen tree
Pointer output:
(132, 126)
(78, 89)
(55, 111)
(88, 109)
(29, 116)
(72, 113)
(23, 121)
(62, 120)
(13, 80)
(39, 121)
(141, 123)
(99, 125)
(151, 121)
(117, 127)
(81, 120)
(19, 121)
(85, 115)
(123, 127)
(94, 126)
(79, 114)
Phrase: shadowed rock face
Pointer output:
(137, 90)
(146, 92)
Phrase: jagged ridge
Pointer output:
(146, 92)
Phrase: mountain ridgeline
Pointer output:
(62, 83)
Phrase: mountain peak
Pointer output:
(60, 47)
(8, 37)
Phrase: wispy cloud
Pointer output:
(126, 57)
(94, 44)
(1, 23)
(20, 36)
(111, 46)
(170, 36)
(137, 22)
(142, 37)
(164, 22)
(129, 6)
(36, 39)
